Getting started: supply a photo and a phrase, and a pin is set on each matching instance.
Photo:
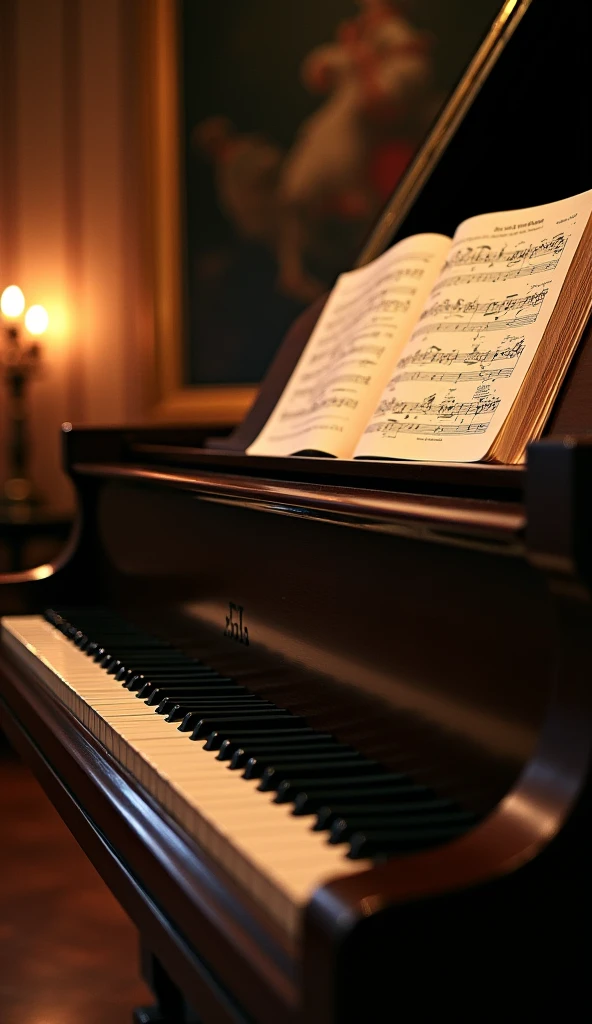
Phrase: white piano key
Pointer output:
(273, 855)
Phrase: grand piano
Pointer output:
(324, 727)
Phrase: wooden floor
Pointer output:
(68, 954)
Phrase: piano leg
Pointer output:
(170, 1005)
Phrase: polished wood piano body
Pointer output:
(435, 616)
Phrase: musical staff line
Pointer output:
(320, 385)
(331, 402)
(485, 254)
(454, 378)
(476, 328)
(494, 276)
(495, 308)
(403, 427)
(433, 354)
(448, 408)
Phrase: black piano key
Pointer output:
(265, 744)
(240, 756)
(188, 691)
(211, 705)
(390, 841)
(218, 736)
(121, 662)
(138, 679)
(163, 679)
(127, 674)
(165, 702)
(272, 720)
(301, 738)
(222, 712)
(123, 669)
(253, 710)
(176, 712)
(176, 697)
(62, 624)
(106, 655)
(138, 663)
(311, 798)
(344, 827)
(273, 775)
(253, 717)
(166, 688)
(147, 659)
(327, 788)
(326, 814)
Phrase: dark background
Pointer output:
(241, 59)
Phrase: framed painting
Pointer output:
(276, 134)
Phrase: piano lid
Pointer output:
(514, 133)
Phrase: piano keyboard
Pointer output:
(297, 807)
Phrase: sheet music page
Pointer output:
(458, 375)
(351, 353)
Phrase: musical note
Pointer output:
(391, 427)
(495, 276)
(495, 325)
(433, 354)
(484, 254)
(448, 408)
(495, 308)
(453, 378)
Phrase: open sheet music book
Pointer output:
(444, 349)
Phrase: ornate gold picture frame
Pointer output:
(170, 399)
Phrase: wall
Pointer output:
(71, 186)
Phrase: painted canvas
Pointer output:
(299, 120)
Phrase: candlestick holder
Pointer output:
(20, 359)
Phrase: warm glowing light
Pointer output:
(12, 301)
(36, 319)
(41, 572)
